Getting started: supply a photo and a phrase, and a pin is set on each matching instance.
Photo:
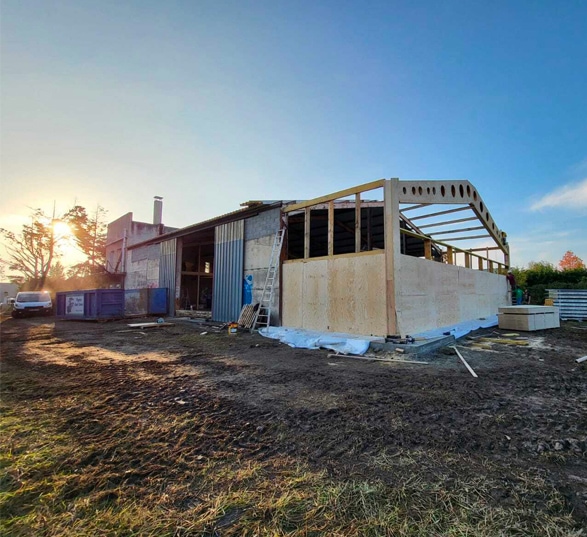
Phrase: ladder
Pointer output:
(263, 313)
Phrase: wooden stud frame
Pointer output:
(330, 227)
(448, 222)
(357, 222)
(421, 194)
(452, 192)
(336, 195)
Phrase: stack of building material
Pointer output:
(528, 318)
(572, 303)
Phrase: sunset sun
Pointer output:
(62, 230)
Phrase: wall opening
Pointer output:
(197, 272)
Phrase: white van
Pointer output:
(31, 302)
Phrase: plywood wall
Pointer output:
(337, 294)
(431, 295)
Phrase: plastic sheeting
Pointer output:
(309, 339)
(460, 329)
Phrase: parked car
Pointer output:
(31, 303)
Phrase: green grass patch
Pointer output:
(73, 466)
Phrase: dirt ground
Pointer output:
(521, 427)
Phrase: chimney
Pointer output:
(158, 210)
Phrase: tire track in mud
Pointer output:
(245, 403)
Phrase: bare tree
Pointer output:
(32, 251)
(3, 267)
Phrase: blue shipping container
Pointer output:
(158, 301)
(90, 305)
(145, 301)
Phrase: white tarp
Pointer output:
(460, 329)
(310, 339)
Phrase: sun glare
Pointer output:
(66, 246)
(61, 229)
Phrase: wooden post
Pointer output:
(490, 266)
(307, 214)
(480, 263)
(428, 249)
(467, 260)
(331, 227)
(176, 293)
(449, 256)
(357, 222)
(198, 291)
(392, 250)
(369, 231)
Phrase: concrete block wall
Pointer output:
(136, 232)
(142, 267)
(259, 236)
(266, 223)
(142, 231)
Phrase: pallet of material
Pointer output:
(528, 318)
(247, 315)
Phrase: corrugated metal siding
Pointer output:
(227, 297)
(167, 267)
(572, 303)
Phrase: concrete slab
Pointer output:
(414, 349)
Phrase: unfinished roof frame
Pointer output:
(423, 194)
(419, 195)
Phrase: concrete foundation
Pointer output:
(416, 348)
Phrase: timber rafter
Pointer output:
(451, 192)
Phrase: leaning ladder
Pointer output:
(263, 313)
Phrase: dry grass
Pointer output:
(90, 463)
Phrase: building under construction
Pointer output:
(387, 257)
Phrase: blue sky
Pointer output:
(212, 103)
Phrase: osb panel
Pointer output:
(415, 311)
(292, 294)
(467, 281)
(356, 291)
(315, 293)
(339, 294)
(433, 295)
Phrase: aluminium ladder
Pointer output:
(263, 314)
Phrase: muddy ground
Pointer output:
(526, 414)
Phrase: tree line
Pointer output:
(539, 276)
(34, 255)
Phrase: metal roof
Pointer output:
(239, 214)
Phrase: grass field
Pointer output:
(90, 450)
